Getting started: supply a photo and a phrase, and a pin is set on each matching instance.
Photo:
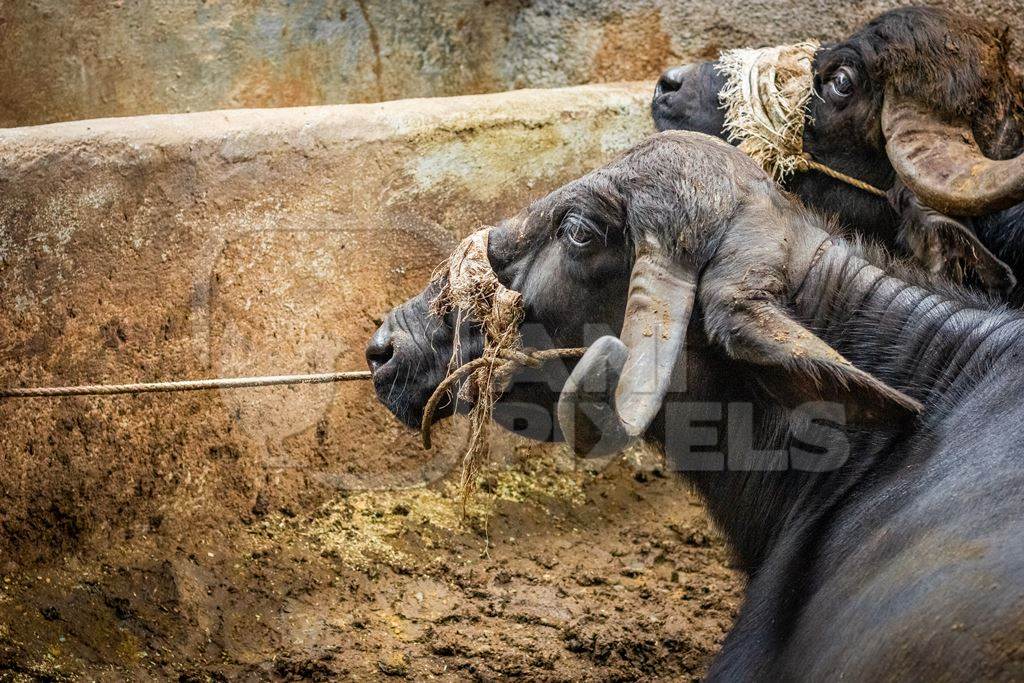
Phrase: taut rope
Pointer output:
(183, 385)
(469, 288)
(809, 163)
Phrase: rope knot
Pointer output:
(470, 288)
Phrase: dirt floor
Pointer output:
(553, 573)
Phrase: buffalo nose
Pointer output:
(671, 80)
(380, 349)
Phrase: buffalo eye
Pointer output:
(578, 231)
(841, 85)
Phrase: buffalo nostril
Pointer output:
(671, 80)
(380, 349)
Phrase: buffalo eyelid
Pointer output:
(575, 227)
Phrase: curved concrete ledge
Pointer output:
(242, 242)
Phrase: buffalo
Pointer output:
(853, 424)
(922, 102)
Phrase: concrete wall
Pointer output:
(77, 59)
(237, 243)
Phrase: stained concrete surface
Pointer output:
(240, 243)
(76, 59)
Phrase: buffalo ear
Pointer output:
(865, 400)
(798, 367)
(943, 244)
(741, 292)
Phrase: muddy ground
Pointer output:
(553, 572)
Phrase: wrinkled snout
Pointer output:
(408, 356)
(687, 98)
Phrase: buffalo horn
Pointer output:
(661, 295)
(941, 162)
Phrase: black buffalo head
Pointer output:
(681, 244)
(920, 95)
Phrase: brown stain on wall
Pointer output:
(375, 43)
(292, 84)
(618, 57)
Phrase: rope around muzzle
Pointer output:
(469, 289)
(506, 363)
(765, 99)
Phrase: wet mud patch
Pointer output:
(551, 572)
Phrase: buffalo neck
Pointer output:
(931, 344)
